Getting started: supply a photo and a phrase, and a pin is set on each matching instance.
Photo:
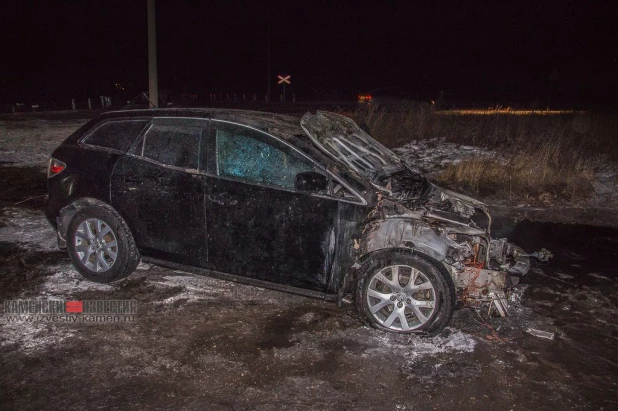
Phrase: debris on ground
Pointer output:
(540, 333)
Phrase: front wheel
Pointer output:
(405, 293)
(101, 245)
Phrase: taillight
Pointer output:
(364, 98)
(55, 167)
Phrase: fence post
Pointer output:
(89, 104)
(73, 104)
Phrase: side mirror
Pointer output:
(311, 182)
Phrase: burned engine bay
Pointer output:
(451, 228)
(411, 213)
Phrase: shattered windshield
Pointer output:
(341, 138)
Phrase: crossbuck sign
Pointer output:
(284, 79)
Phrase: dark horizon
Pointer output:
(495, 52)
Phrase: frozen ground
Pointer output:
(201, 343)
(30, 141)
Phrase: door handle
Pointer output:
(224, 199)
(131, 180)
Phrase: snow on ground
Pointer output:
(455, 341)
(435, 154)
(32, 337)
(67, 282)
(194, 287)
(30, 142)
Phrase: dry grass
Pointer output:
(541, 157)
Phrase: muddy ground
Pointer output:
(201, 343)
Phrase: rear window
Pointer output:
(175, 145)
(117, 135)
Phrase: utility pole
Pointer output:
(268, 74)
(153, 88)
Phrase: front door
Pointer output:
(259, 226)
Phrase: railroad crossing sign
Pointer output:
(284, 79)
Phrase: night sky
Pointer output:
(471, 51)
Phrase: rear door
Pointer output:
(258, 225)
(157, 188)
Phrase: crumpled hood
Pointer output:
(342, 139)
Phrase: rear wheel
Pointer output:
(101, 246)
(405, 293)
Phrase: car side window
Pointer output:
(116, 134)
(257, 158)
(173, 145)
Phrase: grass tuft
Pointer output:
(541, 158)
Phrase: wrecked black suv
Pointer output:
(312, 206)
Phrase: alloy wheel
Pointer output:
(96, 245)
(401, 297)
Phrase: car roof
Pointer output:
(280, 125)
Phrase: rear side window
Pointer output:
(117, 135)
(173, 145)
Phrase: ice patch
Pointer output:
(27, 227)
(68, 282)
(194, 287)
(413, 347)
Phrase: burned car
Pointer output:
(313, 206)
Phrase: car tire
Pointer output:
(101, 245)
(405, 292)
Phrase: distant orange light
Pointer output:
(507, 111)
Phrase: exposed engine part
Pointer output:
(500, 303)
(498, 250)
(542, 255)
(483, 269)
(406, 187)
(479, 282)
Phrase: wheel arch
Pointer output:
(68, 212)
(441, 321)
(356, 270)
